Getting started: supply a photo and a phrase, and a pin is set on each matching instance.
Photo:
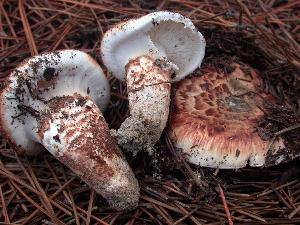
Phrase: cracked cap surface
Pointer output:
(215, 118)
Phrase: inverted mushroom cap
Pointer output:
(215, 118)
(39, 79)
(160, 35)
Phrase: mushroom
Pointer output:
(52, 101)
(149, 53)
(215, 119)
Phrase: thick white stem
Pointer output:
(75, 132)
(148, 84)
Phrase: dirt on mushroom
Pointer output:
(254, 196)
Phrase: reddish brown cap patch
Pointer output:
(219, 112)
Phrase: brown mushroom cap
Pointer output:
(215, 118)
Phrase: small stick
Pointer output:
(34, 203)
(29, 218)
(251, 215)
(225, 205)
(27, 29)
(135, 216)
(161, 213)
(5, 215)
(89, 211)
(294, 212)
(293, 127)
(72, 203)
(57, 180)
(187, 215)
(276, 188)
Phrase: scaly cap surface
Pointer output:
(215, 119)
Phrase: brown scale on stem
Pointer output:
(148, 85)
(82, 142)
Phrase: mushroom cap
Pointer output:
(160, 35)
(39, 79)
(215, 118)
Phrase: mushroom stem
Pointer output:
(73, 129)
(148, 84)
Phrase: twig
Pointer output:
(6, 218)
(88, 216)
(225, 205)
(28, 33)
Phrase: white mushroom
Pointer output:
(148, 53)
(215, 119)
(52, 101)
